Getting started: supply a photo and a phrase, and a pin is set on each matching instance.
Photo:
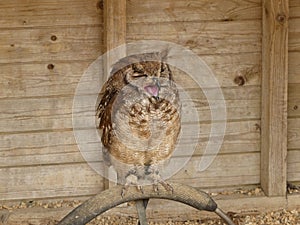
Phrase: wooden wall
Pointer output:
(227, 36)
(294, 93)
(45, 46)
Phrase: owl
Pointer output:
(139, 119)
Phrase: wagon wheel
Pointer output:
(110, 198)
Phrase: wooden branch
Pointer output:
(274, 97)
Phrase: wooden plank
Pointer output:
(294, 67)
(274, 97)
(50, 44)
(293, 133)
(226, 170)
(293, 168)
(203, 37)
(39, 143)
(294, 34)
(34, 13)
(114, 31)
(34, 216)
(293, 157)
(54, 113)
(226, 69)
(115, 27)
(294, 8)
(35, 79)
(242, 103)
(78, 179)
(156, 11)
(114, 23)
(35, 114)
(60, 147)
(49, 181)
(294, 101)
(42, 148)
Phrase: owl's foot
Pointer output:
(158, 180)
(131, 180)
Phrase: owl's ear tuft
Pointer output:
(138, 67)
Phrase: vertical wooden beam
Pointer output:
(274, 97)
(114, 29)
(114, 36)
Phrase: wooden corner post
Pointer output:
(274, 97)
(114, 36)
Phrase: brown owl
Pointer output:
(139, 114)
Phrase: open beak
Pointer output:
(153, 89)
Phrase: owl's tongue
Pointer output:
(152, 90)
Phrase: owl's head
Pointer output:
(148, 73)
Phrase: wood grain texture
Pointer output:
(241, 173)
(59, 147)
(203, 37)
(34, 79)
(35, 103)
(55, 112)
(294, 67)
(293, 168)
(294, 35)
(115, 28)
(49, 181)
(114, 23)
(274, 97)
(61, 180)
(155, 11)
(294, 102)
(294, 133)
(294, 8)
(23, 15)
(36, 45)
(293, 159)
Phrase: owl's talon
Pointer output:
(140, 188)
(131, 180)
(167, 186)
(155, 187)
(126, 187)
(124, 191)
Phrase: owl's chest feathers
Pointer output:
(145, 129)
(145, 118)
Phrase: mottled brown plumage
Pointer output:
(139, 115)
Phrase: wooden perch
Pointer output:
(110, 198)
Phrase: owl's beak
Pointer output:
(153, 89)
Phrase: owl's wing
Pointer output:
(108, 95)
(110, 90)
